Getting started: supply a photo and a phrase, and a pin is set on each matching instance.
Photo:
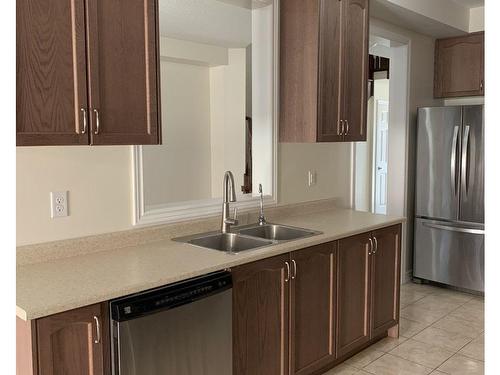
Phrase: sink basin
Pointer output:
(229, 242)
(276, 232)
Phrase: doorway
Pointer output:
(380, 165)
(381, 149)
(372, 156)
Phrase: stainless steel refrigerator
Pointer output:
(449, 223)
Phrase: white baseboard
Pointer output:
(407, 277)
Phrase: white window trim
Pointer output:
(184, 211)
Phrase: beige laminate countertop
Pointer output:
(63, 284)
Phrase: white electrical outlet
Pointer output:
(311, 178)
(58, 204)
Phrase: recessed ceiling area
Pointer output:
(226, 23)
(439, 19)
(470, 3)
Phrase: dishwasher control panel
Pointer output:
(170, 296)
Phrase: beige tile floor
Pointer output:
(441, 332)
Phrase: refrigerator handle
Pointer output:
(453, 161)
(465, 161)
(454, 229)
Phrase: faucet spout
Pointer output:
(228, 195)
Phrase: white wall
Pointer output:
(476, 20)
(185, 93)
(262, 98)
(227, 120)
(363, 164)
(99, 180)
(330, 161)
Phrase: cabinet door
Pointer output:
(312, 308)
(459, 66)
(260, 317)
(385, 279)
(123, 69)
(329, 78)
(298, 70)
(353, 293)
(73, 342)
(355, 68)
(51, 88)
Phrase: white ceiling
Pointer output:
(470, 3)
(226, 23)
(389, 11)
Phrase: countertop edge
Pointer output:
(273, 250)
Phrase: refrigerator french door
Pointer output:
(449, 223)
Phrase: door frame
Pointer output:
(399, 52)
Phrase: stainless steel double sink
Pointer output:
(248, 237)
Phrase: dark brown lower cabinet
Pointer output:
(298, 313)
(260, 317)
(368, 282)
(353, 296)
(284, 299)
(312, 311)
(385, 276)
(75, 342)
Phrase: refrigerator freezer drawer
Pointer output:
(449, 253)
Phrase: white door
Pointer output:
(381, 150)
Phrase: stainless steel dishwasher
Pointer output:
(181, 329)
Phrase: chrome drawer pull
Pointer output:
(98, 330)
(84, 111)
(97, 126)
(294, 274)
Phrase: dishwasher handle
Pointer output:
(170, 296)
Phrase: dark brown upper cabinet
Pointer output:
(459, 66)
(87, 72)
(74, 342)
(323, 70)
(51, 91)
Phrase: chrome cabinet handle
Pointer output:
(98, 330)
(97, 126)
(347, 127)
(341, 127)
(287, 278)
(294, 274)
(370, 252)
(376, 244)
(84, 111)
(453, 160)
(481, 85)
(465, 160)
